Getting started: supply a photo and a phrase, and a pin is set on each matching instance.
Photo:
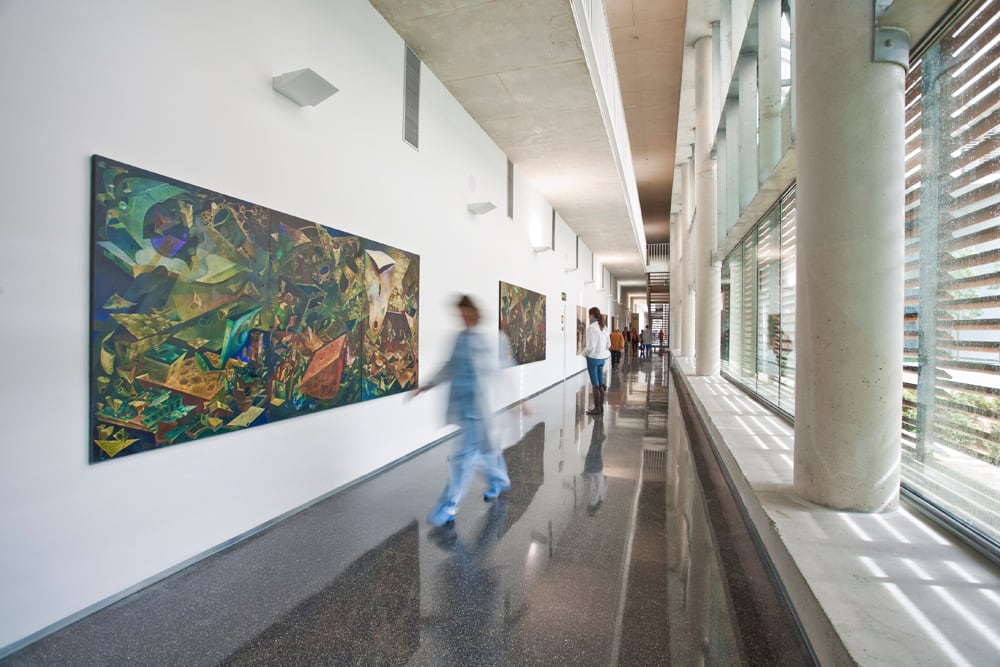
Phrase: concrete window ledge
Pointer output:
(870, 589)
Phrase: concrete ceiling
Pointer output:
(517, 66)
(648, 41)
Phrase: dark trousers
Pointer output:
(616, 356)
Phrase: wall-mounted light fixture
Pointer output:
(481, 207)
(303, 86)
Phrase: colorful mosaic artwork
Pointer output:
(211, 314)
(522, 318)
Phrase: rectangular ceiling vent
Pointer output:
(510, 189)
(552, 241)
(411, 112)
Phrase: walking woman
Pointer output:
(597, 350)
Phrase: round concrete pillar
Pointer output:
(707, 271)
(769, 85)
(687, 264)
(849, 302)
(675, 294)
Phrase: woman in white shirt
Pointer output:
(597, 350)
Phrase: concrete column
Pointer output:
(732, 182)
(678, 280)
(687, 271)
(738, 9)
(721, 212)
(718, 94)
(689, 349)
(746, 70)
(707, 270)
(725, 46)
(769, 82)
(675, 282)
(793, 91)
(849, 303)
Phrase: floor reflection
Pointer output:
(594, 480)
(472, 623)
(601, 553)
(369, 614)
(722, 599)
(526, 467)
(701, 628)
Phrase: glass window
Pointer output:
(734, 266)
(769, 306)
(748, 328)
(785, 342)
(758, 308)
(726, 283)
(951, 393)
(786, 50)
(951, 317)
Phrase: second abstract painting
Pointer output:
(522, 318)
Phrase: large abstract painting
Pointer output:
(522, 318)
(211, 314)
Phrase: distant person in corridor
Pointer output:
(617, 347)
(647, 342)
(597, 349)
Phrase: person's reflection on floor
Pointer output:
(595, 482)
(615, 393)
(473, 618)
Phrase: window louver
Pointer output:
(951, 393)
(411, 111)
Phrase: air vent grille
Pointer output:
(411, 114)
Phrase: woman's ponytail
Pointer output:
(602, 321)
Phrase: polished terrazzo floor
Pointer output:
(601, 554)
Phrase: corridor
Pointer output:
(601, 554)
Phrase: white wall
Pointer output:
(565, 248)
(183, 88)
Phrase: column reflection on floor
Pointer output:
(600, 554)
(702, 631)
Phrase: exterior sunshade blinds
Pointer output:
(951, 392)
